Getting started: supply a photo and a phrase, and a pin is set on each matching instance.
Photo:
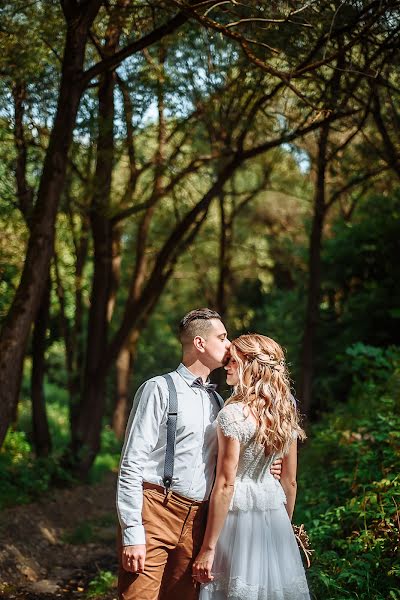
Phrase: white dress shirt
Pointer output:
(143, 454)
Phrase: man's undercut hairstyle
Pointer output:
(196, 322)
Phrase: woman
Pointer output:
(249, 550)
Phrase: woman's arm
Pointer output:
(288, 477)
(228, 457)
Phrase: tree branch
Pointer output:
(147, 40)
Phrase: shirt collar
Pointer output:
(187, 375)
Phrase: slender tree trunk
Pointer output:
(41, 432)
(17, 326)
(115, 270)
(123, 372)
(86, 434)
(78, 350)
(64, 326)
(224, 257)
(390, 146)
(124, 365)
(314, 280)
(24, 192)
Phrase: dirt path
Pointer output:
(54, 548)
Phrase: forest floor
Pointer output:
(55, 547)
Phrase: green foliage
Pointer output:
(280, 316)
(101, 584)
(23, 476)
(370, 363)
(349, 487)
(56, 408)
(26, 477)
(360, 294)
(108, 458)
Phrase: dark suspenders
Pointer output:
(171, 431)
(171, 428)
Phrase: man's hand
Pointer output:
(133, 558)
(276, 468)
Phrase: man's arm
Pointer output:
(142, 434)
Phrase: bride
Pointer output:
(249, 550)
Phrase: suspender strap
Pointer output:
(171, 428)
(171, 431)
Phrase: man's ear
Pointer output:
(199, 343)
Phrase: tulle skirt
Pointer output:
(257, 558)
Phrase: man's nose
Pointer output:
(227, 343)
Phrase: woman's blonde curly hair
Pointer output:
(264, 387)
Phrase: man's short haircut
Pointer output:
(196, 322)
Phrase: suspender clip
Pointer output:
(168, 493)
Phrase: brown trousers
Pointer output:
(174, 532)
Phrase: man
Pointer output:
(162, 524)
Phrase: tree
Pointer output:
(79, 18)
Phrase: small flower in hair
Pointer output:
(280, 366)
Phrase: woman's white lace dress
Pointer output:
(257, 557)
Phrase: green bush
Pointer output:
(108, 458)
(349, 486)
(23, 476)
(101, 584)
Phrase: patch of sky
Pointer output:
(300, 156)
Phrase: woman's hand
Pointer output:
(201, 570)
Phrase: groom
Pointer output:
(163, 516)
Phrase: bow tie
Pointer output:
(208, 387)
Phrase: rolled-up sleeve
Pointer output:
(142, 433)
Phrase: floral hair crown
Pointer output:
(271, 361)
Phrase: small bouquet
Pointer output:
(303, 542)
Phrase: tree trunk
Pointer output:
(86, 435)
(17, 326)
(88, 430)
(41, 433)
(225, 240)
(78, 350)
(115, 270)
(314, 280)
(123, 371)
(24, 192)
(391, 152)
(124, 365)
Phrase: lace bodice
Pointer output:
(255, 487)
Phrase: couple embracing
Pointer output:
(206, 491)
